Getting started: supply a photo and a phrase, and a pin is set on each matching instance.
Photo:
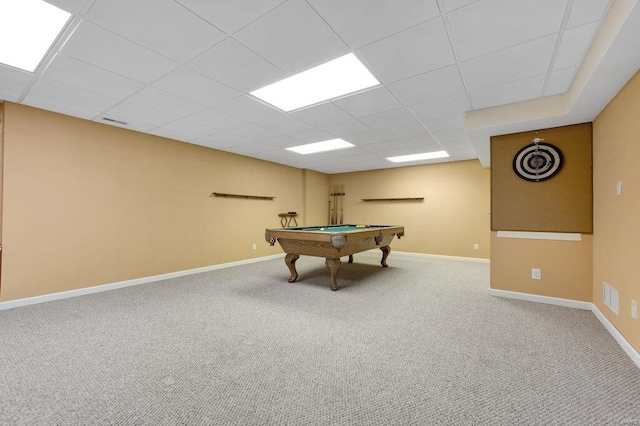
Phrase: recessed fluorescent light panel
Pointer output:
(312, 148)
(28, 28)
(327, 81)
(417, 157)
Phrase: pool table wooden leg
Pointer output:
(333, 265)
(385, 253)
(290, 260)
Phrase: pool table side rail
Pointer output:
(332, 244)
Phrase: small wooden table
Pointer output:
(286, 218)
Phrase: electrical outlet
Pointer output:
(476, 246)
(634, 308)
(536, 274)
(255, 246)
(619, 188)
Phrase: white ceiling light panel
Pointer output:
(28, 28)
(327, 81)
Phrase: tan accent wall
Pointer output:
(88, 204)
(562, 203)
(453, 216)
(566, 266)
(616, 245)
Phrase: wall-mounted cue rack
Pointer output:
(394, 199)
(337, 194)
(247, 197)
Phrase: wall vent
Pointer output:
(113, 120)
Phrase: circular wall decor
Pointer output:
(537, 162)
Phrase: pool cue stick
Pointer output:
(341, 203)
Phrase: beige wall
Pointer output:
(616, 245)
(452, 218)
(565, 265)
(316, 190)
(88, 204)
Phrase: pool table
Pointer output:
(332, 242)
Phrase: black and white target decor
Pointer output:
(538, 161)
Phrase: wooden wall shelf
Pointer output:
(393, 199)
(248, 197)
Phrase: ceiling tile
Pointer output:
(366, 138)
(59, 107)
(574, 45)
(441, 83)
(369, 102)
(253, 132)
(514, 91)
(450, 5)
(403, 132)
(312, 135)
(248, 109)
(346, 128)
(215, 119)
(415, 51)
(128, 112)
(421, 149)
(293, 37)
(230, 15)
(73, 6)
(140, 20)
(170, 134)
(97, 46)
(130, 125)
(388, 119)
(285, 123)
(71, 95)
(65, 69)
(560, 81)
(191, 129)
(427, 143)
(359, 23)
(222, 139)
(196, 87)
(321, 114)
(248, 148)
(585, 11)
(14, 79)
(440, 108)
(281, 142)
(444, 124)
(232, 64)
(10, 95)
(511, 64)
(380, 146)
(451, 136)
(491, 25)
(159, 100)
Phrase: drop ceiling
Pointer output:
(452, 72)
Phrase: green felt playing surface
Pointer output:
(333, 228)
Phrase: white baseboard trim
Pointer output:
(121, 284)
(542, 299)
(624, 344)
(439, 256)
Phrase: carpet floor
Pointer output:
(420, 342)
